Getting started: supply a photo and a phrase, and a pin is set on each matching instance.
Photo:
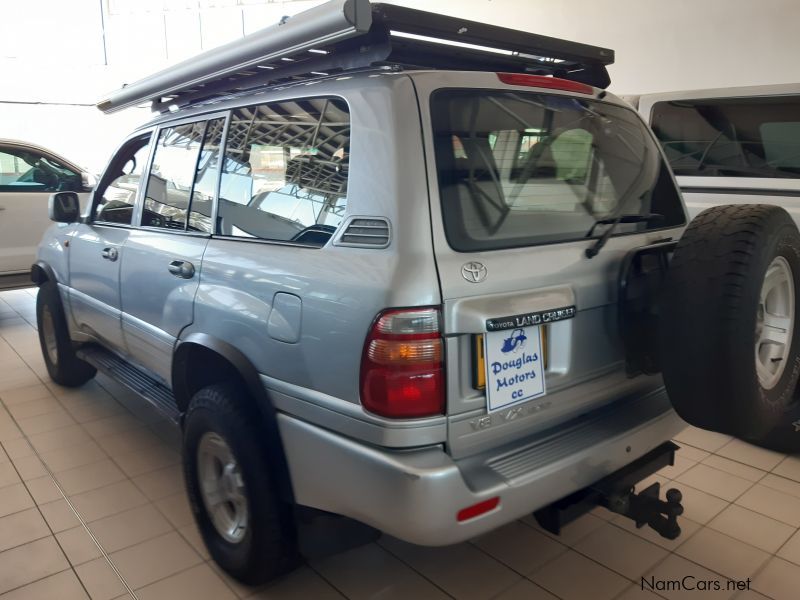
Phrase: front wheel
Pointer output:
(247, 528)
(63, 365)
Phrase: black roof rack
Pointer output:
(345, 35)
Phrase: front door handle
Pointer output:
(110, 253)
(181, 268)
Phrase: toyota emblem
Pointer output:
(474, 272)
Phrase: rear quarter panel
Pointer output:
(341, 289)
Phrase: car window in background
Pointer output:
(116, 196)
(285, 171)
(519, 169)
(736, 137)
(24, 170)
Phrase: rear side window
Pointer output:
(285, 171)
(520, 169)
(737, 137)
(183, 175)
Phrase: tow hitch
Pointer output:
(616, 493)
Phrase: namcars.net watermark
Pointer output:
(690, 583)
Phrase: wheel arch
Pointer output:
(201, 360)
(41, 272)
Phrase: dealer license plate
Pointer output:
(514, 366)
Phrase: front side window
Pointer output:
(731, 137)
(285, 171)
(116, 194)
(23, 170)
(520, 169)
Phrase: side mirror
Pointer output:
(88, 181)
(64, 207)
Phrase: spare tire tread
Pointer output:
(708, 318)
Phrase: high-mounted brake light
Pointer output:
(552, 83)
(402, 374)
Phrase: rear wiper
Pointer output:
(594, 250)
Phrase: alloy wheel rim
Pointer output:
(774, 322)
(222, 487)
(49, 334)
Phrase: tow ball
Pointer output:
(645, 508)
(616, 492)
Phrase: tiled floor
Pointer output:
(92, 505)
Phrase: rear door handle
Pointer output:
(110, 253)
(181, 268)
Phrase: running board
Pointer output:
(139, 382)
(16, 281)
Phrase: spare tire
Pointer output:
(730, 349)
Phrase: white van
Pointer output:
(730, 145)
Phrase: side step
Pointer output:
(16, 281)
(157, 394)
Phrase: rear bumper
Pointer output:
(415, 495)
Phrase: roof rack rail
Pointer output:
(346, 35)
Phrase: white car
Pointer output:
(730, 145)
(28, 175)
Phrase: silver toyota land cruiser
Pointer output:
(384, 264)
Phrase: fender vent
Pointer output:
(365, 232)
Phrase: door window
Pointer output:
(24, 170)
(285, 171)
(205, 178)
(116, 194)
(183, 177)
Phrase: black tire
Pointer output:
(63, 365)
(709, 317)
(268, 547)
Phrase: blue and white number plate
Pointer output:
(514, 366)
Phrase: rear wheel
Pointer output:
(729, 340)
(248, 529)
(63, 365)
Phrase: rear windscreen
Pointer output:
(519, 169)
(737, 137)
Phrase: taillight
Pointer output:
(402, 374)
(552, 83)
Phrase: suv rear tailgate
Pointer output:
(581, 350)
